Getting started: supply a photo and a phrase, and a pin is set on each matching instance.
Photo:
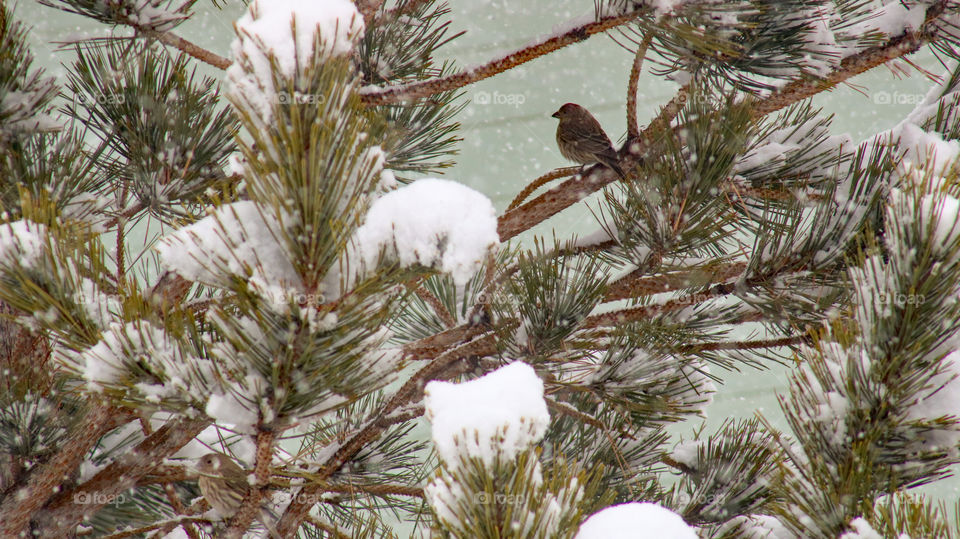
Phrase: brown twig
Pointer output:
(405, 8)
(196, 51)
(368, 9)
(637, 283)
(566, 409)
(329, 529)
(197, 507)
(648, 311)
(748, 345)
(420, 89)
(434, 345)
(541, 181)
(168, 489)
(675, 464)
(633, 125)
(376, 490)
(445, 317)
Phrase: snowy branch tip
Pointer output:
(501, 413)
(435, 223)
(635, 521)
(286, 33)
(288, 30)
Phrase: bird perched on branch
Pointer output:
(581, 138)
(224, 484)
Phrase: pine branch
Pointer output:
(420, 89)
(64, 513)
(570, 192)
(902, 45)
(376, 490)
(20, 504)
(411, 391)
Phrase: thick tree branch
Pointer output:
(20, 504)
(420, 89)
(68, 509)
(250, 507)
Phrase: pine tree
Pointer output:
(314, 293)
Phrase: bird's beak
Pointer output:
(556, 114)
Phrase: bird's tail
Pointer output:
(613, 165)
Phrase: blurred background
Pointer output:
(509, 135)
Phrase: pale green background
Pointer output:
(509, 140)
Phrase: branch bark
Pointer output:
(20, 504)
(250, 506)
(188, 47)
(68, 509)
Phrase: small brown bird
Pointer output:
(222, 482)
(581, 138)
